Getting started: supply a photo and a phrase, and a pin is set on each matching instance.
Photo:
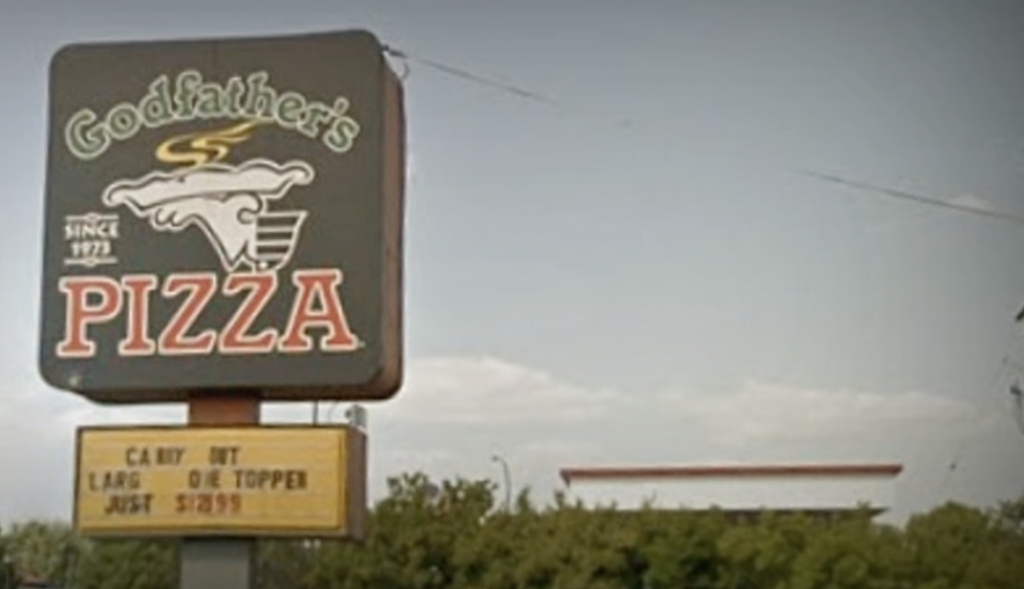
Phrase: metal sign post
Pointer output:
(220, 563)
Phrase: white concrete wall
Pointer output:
(772, 492)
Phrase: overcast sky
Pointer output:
(581, 292)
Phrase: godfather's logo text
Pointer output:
(241, 209)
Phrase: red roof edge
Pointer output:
(681, 472)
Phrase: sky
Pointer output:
(637, 275)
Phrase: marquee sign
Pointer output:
(223, 481)
(224, 215)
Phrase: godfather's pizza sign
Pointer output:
(224, 215)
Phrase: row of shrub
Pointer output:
(461, 539)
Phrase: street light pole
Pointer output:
(1015, 390)
(1018, 404)
(508, 480)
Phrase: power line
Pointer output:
(495, 83)
(541, 98)
(472, 77)
(917, 198)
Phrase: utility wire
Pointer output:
(472, 77)
(834, 179)
(494, 83)
(918, 198)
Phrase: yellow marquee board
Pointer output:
(226, 481)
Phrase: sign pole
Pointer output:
(224, 227)
(220, 563)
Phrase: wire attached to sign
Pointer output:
(830, 178)
(494, 83)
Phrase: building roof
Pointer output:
(683, 472)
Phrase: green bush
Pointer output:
(460, 538)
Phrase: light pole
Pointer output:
(1018, 402)
(508, 480)
(1015, 389)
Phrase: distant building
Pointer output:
(823, 490)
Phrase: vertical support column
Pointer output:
(220, 563)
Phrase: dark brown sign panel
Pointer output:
(224, 214)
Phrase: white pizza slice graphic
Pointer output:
(228, 203)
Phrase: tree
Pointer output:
(412, 536)
(762, 554)
(684, 550)
(285, 564)
(450, 535)
(1000, 565)
(851, 554)
(943, 544)
(128, 564)
(43, 550)
(6, 568)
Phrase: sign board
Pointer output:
(225, 481)
(224, 214)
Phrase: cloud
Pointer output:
(971, 201)
(455, 413)
(487, 391)
(951, 449)
(760, 413)
(405, 459)
(452, 415)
